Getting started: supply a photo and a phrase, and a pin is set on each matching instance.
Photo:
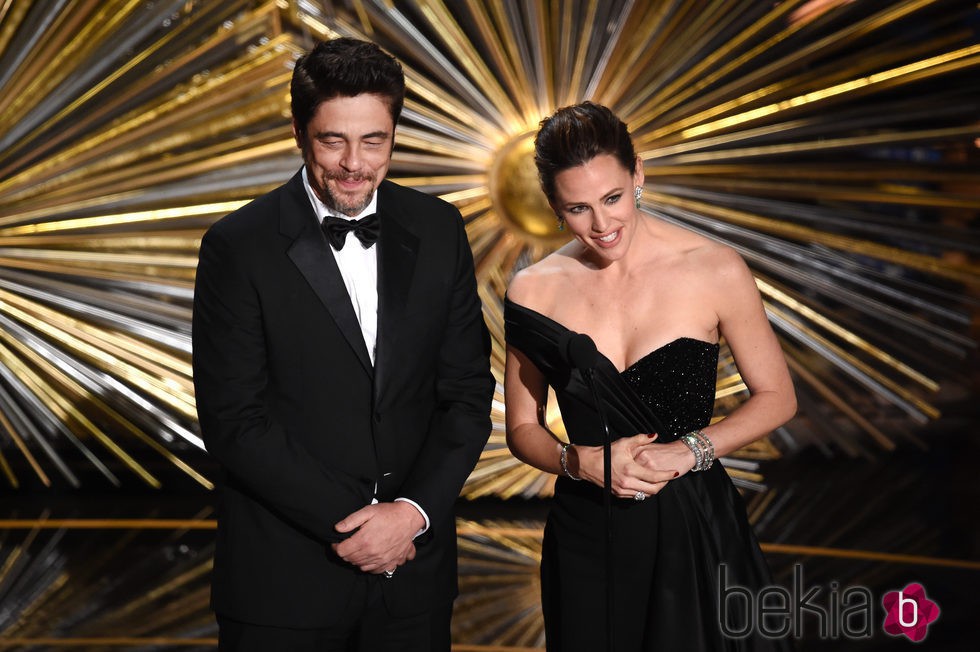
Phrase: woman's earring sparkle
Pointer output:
(637, 193)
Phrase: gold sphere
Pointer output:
(516, 194)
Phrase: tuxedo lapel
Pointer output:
(397, 251)
(312, 256)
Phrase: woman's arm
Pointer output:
(730, 287)
(526, 392)
(525, 396)
(743, 323)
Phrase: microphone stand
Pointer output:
(589, 375)
(581, 353)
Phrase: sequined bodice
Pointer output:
(669, 391)
(677, 382)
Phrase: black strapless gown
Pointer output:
(670, 550)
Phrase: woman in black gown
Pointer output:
(656, 299)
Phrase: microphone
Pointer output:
(579, 351)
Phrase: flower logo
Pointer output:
(909, 612)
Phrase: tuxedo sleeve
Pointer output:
(464, 388)
(231, 381)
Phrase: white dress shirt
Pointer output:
(358, 266)
(359, 269)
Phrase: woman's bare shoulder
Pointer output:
(721, 270)
(708, 254)
(534, 285)
(705, 263)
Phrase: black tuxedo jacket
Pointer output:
(302, 425)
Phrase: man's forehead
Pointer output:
(353, 115)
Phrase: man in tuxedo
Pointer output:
(341, 365)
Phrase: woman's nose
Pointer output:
(600, 221)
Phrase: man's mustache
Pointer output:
(348, 177)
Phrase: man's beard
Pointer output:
(350, 205)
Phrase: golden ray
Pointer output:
(802, 139)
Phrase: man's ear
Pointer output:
(298, 135)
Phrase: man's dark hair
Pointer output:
(344, 67)
(573, 136)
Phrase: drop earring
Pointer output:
(561, 223)
(637, 193)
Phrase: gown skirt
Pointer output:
(677, 555)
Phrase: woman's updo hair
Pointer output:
(573, 136)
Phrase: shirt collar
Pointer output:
(322, 210)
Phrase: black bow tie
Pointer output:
(366, 229)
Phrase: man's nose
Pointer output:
(351, 159)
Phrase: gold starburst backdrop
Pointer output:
(834, 144)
